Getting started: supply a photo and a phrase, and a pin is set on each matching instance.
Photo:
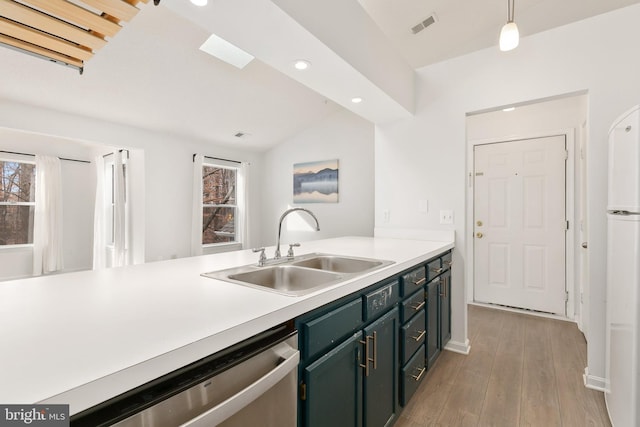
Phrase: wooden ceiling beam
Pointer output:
(40, 51)
(117, 8)
(39, 38)
(78, 15)
(49, 24)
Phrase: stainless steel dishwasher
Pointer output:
(253, 383)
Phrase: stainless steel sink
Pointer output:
(340, 264)
(287, 278)
(300, 275)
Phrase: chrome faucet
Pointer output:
(287, 212)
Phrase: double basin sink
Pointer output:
(300, 275)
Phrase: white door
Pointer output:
(519, 224)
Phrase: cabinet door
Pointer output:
(381, 383)
(333, 386)
(433, 325)
(445, 309)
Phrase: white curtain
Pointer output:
(47, 229)
(196, 206)
(243, 204)
(100, 218)
(121, 216)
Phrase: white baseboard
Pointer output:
(458, 347)
(593, 382)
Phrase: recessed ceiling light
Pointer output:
(199, 2)
(225, 51)
(356, 100)
(302, 64)
(508, 109)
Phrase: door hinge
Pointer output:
(566, 154)
(566, 296)
(303, 391)
(567, 225)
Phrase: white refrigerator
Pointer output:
(622, 389)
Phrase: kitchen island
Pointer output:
(82, 338)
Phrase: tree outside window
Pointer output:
(17, 202)
(219, 204)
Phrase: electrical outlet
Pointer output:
(446, 217)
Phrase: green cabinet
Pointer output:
(433, 321)
(445, 309)
(364, 356)
(354, 381)
(331, 392)
(380, 379)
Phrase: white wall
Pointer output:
(343, 136)
(78, 192)
(168, 169)
(424, 157)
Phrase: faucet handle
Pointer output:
(291, 246)
(263, 257)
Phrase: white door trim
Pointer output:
(570, 211)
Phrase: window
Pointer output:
(17, 202)
(219, 204)
(110, 195)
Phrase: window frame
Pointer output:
(11, 159)
(221, 165)
(109, 163)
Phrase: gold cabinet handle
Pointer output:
(417, 377)
(437, 270)
(419, 337)
(449, 263)
(420, 282)
(366, 355)
(443, 293)
(479, 235)
(375, 350)
(418, 307)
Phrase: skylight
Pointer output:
(225, 51)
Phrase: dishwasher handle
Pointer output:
(244, 397)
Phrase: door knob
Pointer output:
(584, 245)
(479, 235)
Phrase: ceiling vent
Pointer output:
(424, 24)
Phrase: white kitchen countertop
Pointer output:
(82, 338)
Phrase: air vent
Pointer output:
(424, 24)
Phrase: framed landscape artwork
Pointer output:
(315, 182)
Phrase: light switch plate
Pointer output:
(423, 206)
(446, 217)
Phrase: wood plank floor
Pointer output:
(522, 370)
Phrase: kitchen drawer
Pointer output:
(447, 260)
(434, 267)
(413, 280)
(323, 332)
(380, 300)
(412, 374)
(413, 335)
(412, 305)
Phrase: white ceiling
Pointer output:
(152, 74)
(464, 26)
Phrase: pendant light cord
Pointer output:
(511, 6)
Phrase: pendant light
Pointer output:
(509, 36)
